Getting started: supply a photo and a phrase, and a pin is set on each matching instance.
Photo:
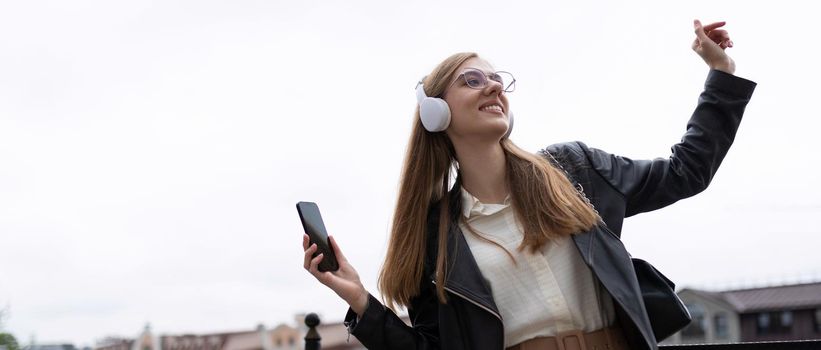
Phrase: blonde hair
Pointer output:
(544, 200)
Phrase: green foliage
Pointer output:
(8, 341)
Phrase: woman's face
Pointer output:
(476, 113)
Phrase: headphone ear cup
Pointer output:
(435, 114)
(509, 125)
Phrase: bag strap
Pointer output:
(603, 314)
(576, 184)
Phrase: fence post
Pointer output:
(312, 339)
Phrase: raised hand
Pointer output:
(710, 43)
(344, 282)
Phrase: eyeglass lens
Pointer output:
(477, 79)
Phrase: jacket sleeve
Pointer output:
(380, 328)
(652, 184)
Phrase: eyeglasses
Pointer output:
(477, 79)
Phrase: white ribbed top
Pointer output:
(543, 293)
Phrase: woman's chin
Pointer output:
(493, 131)
(493, 128)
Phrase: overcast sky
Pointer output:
(151, 152)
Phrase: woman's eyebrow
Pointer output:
(479, 69)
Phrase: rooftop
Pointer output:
(796, 296)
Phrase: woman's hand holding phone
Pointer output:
(344, 281)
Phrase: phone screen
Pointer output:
(315, 228)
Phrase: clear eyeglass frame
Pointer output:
(477, 79)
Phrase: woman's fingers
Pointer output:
(344, 282)
(699, 30)
(710, 43)
(311, 263)
(720, 37)
(309, 255)
(314, 266)
(326, 277)
(703, 38)
(711, 32)
(713, 26)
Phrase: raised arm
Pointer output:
(652, 184)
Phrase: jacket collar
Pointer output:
(600, 249)
(463, 276)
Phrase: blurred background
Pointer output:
(152, 152)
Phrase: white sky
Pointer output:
(151, 153)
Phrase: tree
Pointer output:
(8, 342)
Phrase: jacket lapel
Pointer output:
(610, 262)
(464, 276)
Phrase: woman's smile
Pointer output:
(493, 108)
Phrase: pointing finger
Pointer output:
(715, 25)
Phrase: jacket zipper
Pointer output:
(477, 304)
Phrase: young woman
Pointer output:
(511, 254)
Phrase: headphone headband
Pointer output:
(420, 90)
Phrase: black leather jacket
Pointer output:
(618, 187)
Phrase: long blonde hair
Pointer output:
(545, 202)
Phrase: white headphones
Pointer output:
(435, 113)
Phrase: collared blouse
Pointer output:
(540, 294)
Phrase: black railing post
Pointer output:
(312, 339)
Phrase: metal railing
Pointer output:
(313, 339)
(769, 345)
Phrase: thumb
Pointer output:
(699, 29)
(338, 252)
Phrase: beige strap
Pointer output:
(610, 338)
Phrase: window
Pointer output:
(774, 322)
(818, 320)
(720, 322)
(696, 328)
(763, 323)
(786, 319)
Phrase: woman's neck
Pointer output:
(483, 170)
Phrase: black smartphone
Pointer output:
(315, 228)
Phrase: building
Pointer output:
(49, 347)
(789, 312)
(282, 337)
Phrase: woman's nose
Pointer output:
(493, 87)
